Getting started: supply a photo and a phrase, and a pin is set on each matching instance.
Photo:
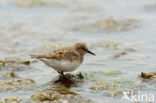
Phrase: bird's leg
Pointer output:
(61, 73)
(65, 76)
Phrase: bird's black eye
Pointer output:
(84, 49)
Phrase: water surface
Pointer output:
(121, 33)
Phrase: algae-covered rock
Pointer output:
(63, 90)
(14, 64)
(104, 86)
(108, 25)
(111, 24)
(118, 55)
(112, 94)
(14, 60)
(148, 76)
(51, 96)
(46, 95)
(68, 79)
(150, 6)
(11, 75)
(60, 91)
(106, 44)
(78, 76)
(13, 84)
(13, 99)
(26, 81)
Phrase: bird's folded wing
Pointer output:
(62, 54)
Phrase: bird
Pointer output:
(65, 59)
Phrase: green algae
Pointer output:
(40, 3)
(95, 74)
(79, 75)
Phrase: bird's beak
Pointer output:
(90, 52)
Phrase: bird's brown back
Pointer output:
(62, 54)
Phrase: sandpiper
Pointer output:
(66, 59)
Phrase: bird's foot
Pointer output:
(65, 76)
(61, 73)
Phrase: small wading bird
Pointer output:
(66, 59)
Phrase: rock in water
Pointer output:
(148, 76)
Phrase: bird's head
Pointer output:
(82, 48)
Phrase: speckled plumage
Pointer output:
(63, 54)
(66, 59)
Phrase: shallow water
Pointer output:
(108, 27)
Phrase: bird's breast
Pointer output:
(62, 65)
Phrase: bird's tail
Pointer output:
(37, 56)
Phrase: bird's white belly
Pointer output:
(61, 65)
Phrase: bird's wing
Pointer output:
(61, 54)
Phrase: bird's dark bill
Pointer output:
(90, 52)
